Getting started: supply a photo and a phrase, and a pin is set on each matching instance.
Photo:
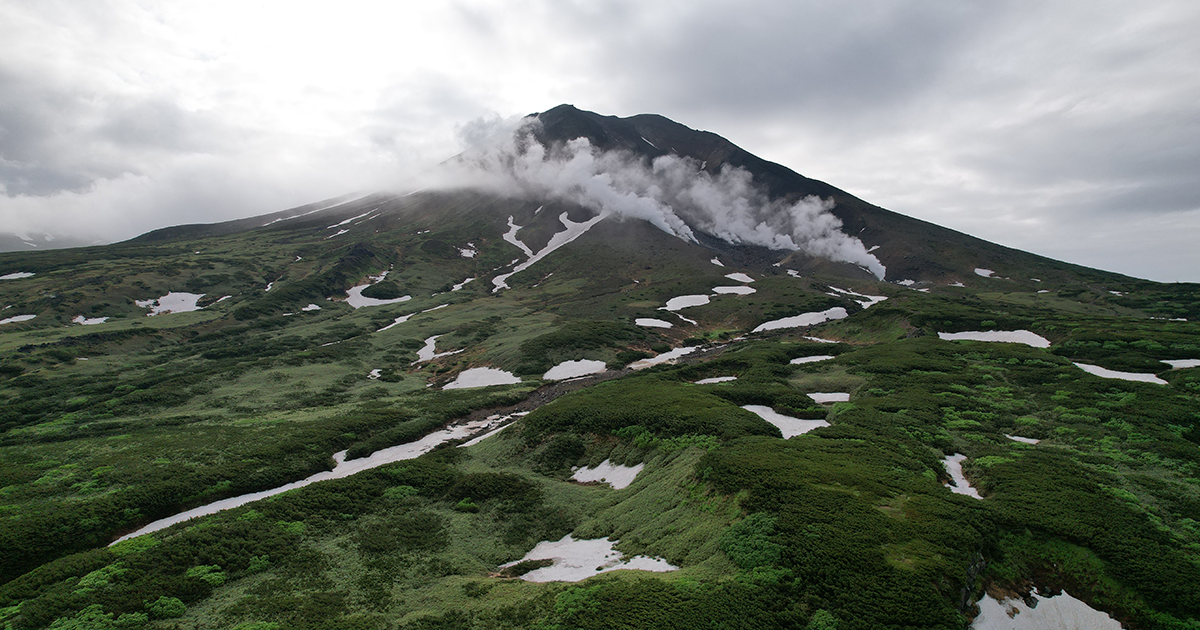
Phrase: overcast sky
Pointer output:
(1070, 129)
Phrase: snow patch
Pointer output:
(1180, 364)
(1003, 336)
(953, 464)
(573, 369)
(986, 273)
(830, 397)
(740, 277)
(17, 275)
(467, 252)
(1023, 440)
(427, 352)
(812, 359)
(482, 377)
(460, 285)
(171, 303)
(374, 374)
(17, 318)
(717, 262)
(804, 319)
(80, 319)
(576, 560)
(734, 290)
(311, 307)
(866, 302)
(788, 426)
(342, 468)
(616, 476)
(716, 379)
(1048, 613)
(684, 301)
(652, 323)
(665, 357)
(1124, 376)
(573, 231)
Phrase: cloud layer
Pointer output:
(671, 192)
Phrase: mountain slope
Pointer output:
(798, 440)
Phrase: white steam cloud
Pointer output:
(671, 192)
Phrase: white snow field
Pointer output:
(616, 476)
(804, 319)
(576, 560)
(573, 369)
(652, 323)
(812, 359)
(171, 303)
(482, 377)
(953, 464)
(1124, 376)
(788, 425)
(1061, 612)
(1003, 336)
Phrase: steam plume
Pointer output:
(671, 192)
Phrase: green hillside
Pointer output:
(108, 426)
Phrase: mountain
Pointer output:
(810, 411)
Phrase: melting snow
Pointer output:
(793, 273)
(573, 231)
(716, 379)
(652, 323)
(684, 301)
(1004, 336)
(311, 307)
(616, 476)
(349, 220)
(907, 283)
(339, 233)
(812, 359)
(1024, 440)
(868, 300)
(80, 319)
(820, 340)
(573, 369)
(953, 464)
(342, 468)
(986, 273)
(467, 252)
(17, 275)
(1125, 376)
(1049, 613)
(375, 374)
(830, 397)
(788, 425)
(663, 358)
(482, 377)
(460, 285)
(873, 248)
(576, 560)
(737, 290)
(717, 262)
(804, 319)
(17, 318)
(740, 277)
(1179, 364)
(356, 299)
(957, 284)
(171, 303)
(426, 353)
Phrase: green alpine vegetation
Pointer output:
(801, 476)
